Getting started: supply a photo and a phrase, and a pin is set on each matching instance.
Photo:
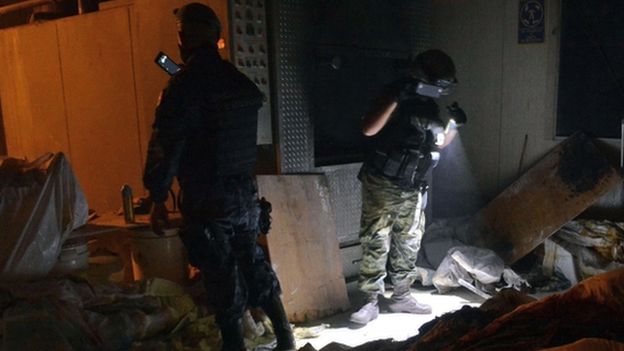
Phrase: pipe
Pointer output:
(23, 5)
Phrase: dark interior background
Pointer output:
(356, 46)
(591, 68)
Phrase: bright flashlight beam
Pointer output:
(455, 189)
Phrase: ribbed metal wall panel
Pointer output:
(346, 200)
(296, 143)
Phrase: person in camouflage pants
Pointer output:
(391, 228)
(406, 132)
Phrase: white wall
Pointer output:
(507, 89)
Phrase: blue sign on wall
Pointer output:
(531, 20)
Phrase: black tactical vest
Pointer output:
(404, 145)
(222, 105)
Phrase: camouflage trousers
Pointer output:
(391, 228)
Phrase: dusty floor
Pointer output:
(397, 326)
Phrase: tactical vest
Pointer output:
(223, 138)
(236, 133)
(404, 146)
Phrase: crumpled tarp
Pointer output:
(592, 309)
(589, 316)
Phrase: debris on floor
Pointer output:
(70, 314)
(590, 314)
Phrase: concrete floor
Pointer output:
(397, 326)
(400, 326)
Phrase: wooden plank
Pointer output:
(33, 109)
(303, 246)
(97, 68)
(556, 190)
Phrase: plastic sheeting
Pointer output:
(41, 202)
(440, 237)
(465, 264)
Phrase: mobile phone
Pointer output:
(428, 90)
(166, 63)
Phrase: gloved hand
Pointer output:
(159, 218)
(457, 114)
(409, 90)
(403, 89)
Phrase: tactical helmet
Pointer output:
(195, 12)
(436, 68)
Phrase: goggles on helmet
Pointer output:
(446, 86)
(438, 88)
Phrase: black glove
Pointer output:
(457, 114)
(409, 91)
(403, 89)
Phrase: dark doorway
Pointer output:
(591, 68)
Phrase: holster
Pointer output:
(264, 222)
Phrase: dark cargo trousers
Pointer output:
(220, 234)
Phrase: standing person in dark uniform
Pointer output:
(205, 135)
(407, 132)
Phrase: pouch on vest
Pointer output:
(399, 165)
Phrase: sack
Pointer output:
(467, 264)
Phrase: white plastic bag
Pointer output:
(40, 204)
(467, 263)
